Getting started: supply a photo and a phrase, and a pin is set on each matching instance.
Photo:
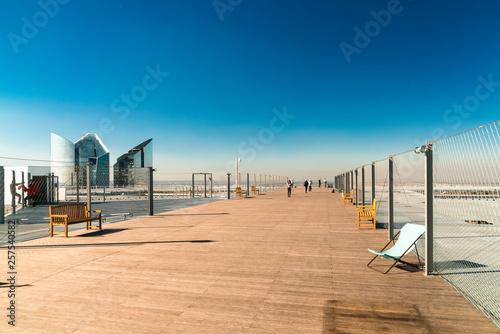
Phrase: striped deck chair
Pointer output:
(408, 237)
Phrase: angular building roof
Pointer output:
(134, 150)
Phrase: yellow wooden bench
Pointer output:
(74, 213)
(240, 192)
(348, 196)
(255, 190)
(368, 213)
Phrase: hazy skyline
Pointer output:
(292, 88)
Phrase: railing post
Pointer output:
(2, 196)
(89, 195)
(13, 193)
(373, 182)
(192, 186)
(390, 199)
(248, 184)
(228, 185)
(351, 180)
(356, 194)
(363, 185)
(150, 191)
(22, 190)
(77, 184)
(429, 208)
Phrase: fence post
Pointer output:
(429, 207)
(356, 194)
(12, 193)
(351, 180)
(2, 196)
(192, 185)
(373, 182)
(248, 184)
(22, 190)
(228, 185)
(150, 191)
(390, 199)
(363, 185)
(89, 195)
(77, 184)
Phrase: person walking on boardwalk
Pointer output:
(326, 183)
(319, 183)
(306, 184)
(289, 186)
(310, 185)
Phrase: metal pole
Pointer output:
(22, 190)
(248, 184)
(356, 192)
(150, 191)
(2, 196)
(390, 199)
(211, 185)
(49, 189)
(192, 186)
(228, 185)
(13, 192)
(78, 185)
(363, 185)
(373, 182)
(205, 175)
(89, 195)
(57, 189)
(351, 180)
(429, 207)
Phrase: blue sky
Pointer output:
(291, 87)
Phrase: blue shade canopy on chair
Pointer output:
(408, 237)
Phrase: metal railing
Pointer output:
(453, 188)
(28, 188)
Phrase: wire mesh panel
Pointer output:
(381, 189)
(409, 198)
(467, 215)
(368, 184)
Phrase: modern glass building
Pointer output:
(126, 165)
(68, 160)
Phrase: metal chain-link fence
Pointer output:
(462, 173)
(467, 215)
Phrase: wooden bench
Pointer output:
(348, 196)
(240, 192)
(73, 213)
(255, 190)
(368, 213)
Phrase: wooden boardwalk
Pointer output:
(267, 264)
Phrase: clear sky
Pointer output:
(304, 89)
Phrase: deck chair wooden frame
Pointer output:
(348, 196)
(409, 235)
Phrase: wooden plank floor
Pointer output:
(267, 264)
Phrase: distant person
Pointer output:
(326, 183)
(289, 186)
(293, 183)
(31, 191)
(310, 185)
(14, 192)
(306, 184)
(319, 183)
